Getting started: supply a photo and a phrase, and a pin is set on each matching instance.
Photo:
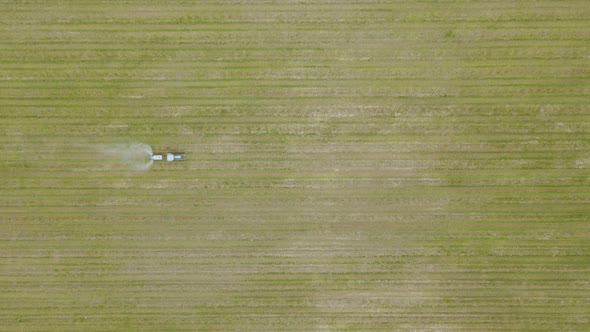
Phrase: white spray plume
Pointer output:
(135, 156)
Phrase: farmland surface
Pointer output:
(351, 165)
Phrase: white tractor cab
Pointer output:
(170, 156)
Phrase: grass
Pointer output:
(369, 165)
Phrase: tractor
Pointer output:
(170, 156)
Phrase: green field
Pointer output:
(386, 165)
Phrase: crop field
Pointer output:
(388, 165)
